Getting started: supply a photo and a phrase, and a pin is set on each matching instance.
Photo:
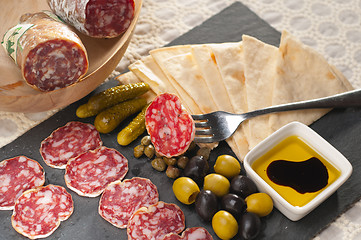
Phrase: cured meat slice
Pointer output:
(69, 141)
(17, 175)
(96, 18)
(121, 199)
(89, 173)
(155, 221)
(38, 212)
(194, 233)
(169, 125)
(50, 54)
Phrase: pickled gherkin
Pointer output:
(109, 119)
(83, 111)
(115, 95)
(134, 129)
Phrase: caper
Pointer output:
(149, 151)
(158, 164)
(182, 162)
(138, 151)
(170, 161)
(145, 141)
(172, 172)
(204, 152)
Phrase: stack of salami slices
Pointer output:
(239, 77)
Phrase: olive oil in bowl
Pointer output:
(295, 170)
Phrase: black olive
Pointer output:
(206, 204)
(196, 168)
(233, 204)
(249, 226)
(243, 186)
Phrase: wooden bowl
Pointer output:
(103, 54)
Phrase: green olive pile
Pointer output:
(230, 201)
(174, 166)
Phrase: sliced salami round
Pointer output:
(194, 233)
(169, 125)
(155, 222)
(38, 212)
(96, 18)
(121, 199)
(89, 173)
(69, 141)
(17, 175)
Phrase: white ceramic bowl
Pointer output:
(315, 141)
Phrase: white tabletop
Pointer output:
(332, 27)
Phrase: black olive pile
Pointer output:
(228, 200)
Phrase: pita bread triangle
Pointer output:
(228, 57)
(259, 69)
(302, 74)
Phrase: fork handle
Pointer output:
(342, 100)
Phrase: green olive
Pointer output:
(227, 166)
(224, 225)
(216, 183)
(259, 203)
(185, 190)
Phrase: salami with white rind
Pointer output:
(49, 53)
(155, 222)
(17, 175)
(38, 212)
(194, 233)
(169, 125)
(121, 199)
(69, 141)
(89, 173)
(96, 18)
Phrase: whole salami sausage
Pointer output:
(96, 18)
(38, 212)
(194, 233)
(89, 173)
(170, 126)
(17, 175)
(156, 221)
(121, 199)
(51, 56)
(69, 141)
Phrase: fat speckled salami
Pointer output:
(96, 18)
(69, 141)
(169, 125)
(51, 56)
(155, 222)
(194, 233)
(89, 173)
(121, 199)
(17, 175)
(38, 212)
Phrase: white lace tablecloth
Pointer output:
(332, 27)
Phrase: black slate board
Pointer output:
(342, 128)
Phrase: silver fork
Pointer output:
(220, 125)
